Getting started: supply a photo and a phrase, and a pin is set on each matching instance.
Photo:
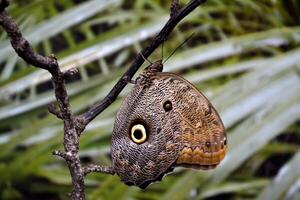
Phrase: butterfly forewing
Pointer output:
(203, 136)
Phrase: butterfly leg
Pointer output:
(127, 79)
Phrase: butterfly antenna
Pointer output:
(185, 41)
(146, 59)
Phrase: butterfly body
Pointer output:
(165, 122)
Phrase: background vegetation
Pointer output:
(245, 56)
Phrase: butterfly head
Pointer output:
(156, 66)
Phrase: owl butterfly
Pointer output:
(165, 122)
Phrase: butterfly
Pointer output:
(163, 123)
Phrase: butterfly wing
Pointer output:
(183, 129)
(203, 142)
(141, 164)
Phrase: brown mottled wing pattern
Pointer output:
(191, 134)
(203, 137)
(141, 164)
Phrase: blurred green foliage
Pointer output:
(244, 56)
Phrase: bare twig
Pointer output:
(71, 72)
(96, 168)
(53, 110)
(71, 139)
(174, 8)
(64, 155)
(74, 125)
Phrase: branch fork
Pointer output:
(75, 125)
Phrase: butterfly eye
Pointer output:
(138, 133)
(167, 105)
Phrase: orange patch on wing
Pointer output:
(194, 157)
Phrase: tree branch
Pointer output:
(74, 125)
(96, 168)
(71, 139)
(174, 8)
